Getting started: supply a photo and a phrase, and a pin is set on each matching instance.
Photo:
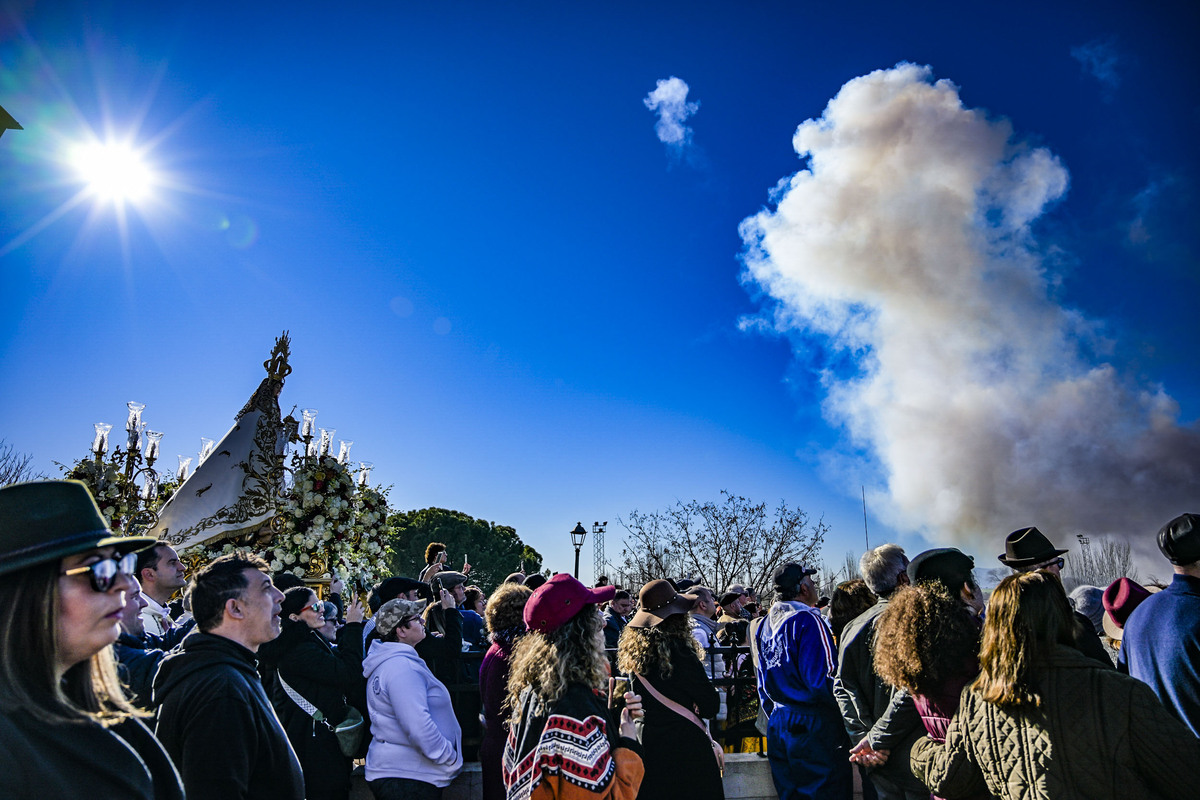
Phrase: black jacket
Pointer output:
(613, 625)
(678, 758)
(136, 665)
(324, 676)
(216, 723)
(123, 762)
(442, 653)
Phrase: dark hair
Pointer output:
(432, 551)
(1028, 615)
(148, 558)
(296, 600)
(220, 581)
(285, 580)
(470, 595)
(849, 599)
(924, 638)
(622, 595)
(88, 691)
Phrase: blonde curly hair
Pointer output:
(506, 606)
(654, 650)
(549, 663)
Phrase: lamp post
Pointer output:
(577, 537)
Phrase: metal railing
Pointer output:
(465, 697)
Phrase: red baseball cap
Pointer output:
(559, 599)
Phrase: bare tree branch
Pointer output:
(16, 467)
(732, 540)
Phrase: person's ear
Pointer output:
(234, 609)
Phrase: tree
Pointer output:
(732, 540)
(827, 579)
(16, 467)
(1098, 562)
(494, 550)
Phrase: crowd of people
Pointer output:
(121, 678)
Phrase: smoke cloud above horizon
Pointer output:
(907, 251)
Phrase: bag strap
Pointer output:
(298, 699)
(687, 714)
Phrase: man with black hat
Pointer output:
(1161, 645)
(793, 651)
(1028, 550)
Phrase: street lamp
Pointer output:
(577, 537)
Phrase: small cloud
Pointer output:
(669, 101)
(1099, 59)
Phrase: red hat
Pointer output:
(559, 599)
(1120, 599)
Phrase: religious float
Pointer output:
(271, 486)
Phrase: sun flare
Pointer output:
(113, 171)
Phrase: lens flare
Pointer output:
(113, 171)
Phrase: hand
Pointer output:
(354, 612)
(863, 753)
(466, 570)
(447, 599)
(338, 586)
(631, 711)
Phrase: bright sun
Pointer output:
(113, 171)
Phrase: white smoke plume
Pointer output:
(907, 248)
(669, 101)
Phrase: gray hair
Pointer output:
(881, 568)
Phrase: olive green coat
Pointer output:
(1098, 735)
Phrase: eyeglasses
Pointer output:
(1059, 562)
(316, 606)
(103, 573)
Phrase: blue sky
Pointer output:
(520, 303)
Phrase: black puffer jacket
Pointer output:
(324, 676)
(216, 723)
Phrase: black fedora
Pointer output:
(1027, 547)
(44, 521)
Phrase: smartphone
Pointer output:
(617, 687)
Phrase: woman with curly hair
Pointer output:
(562, 740)
(658, 651)
(505, 625)
(927, 643)
(1044, 721)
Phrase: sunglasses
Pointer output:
(103, 573)
(316, 606)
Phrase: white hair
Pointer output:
(881, 568)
